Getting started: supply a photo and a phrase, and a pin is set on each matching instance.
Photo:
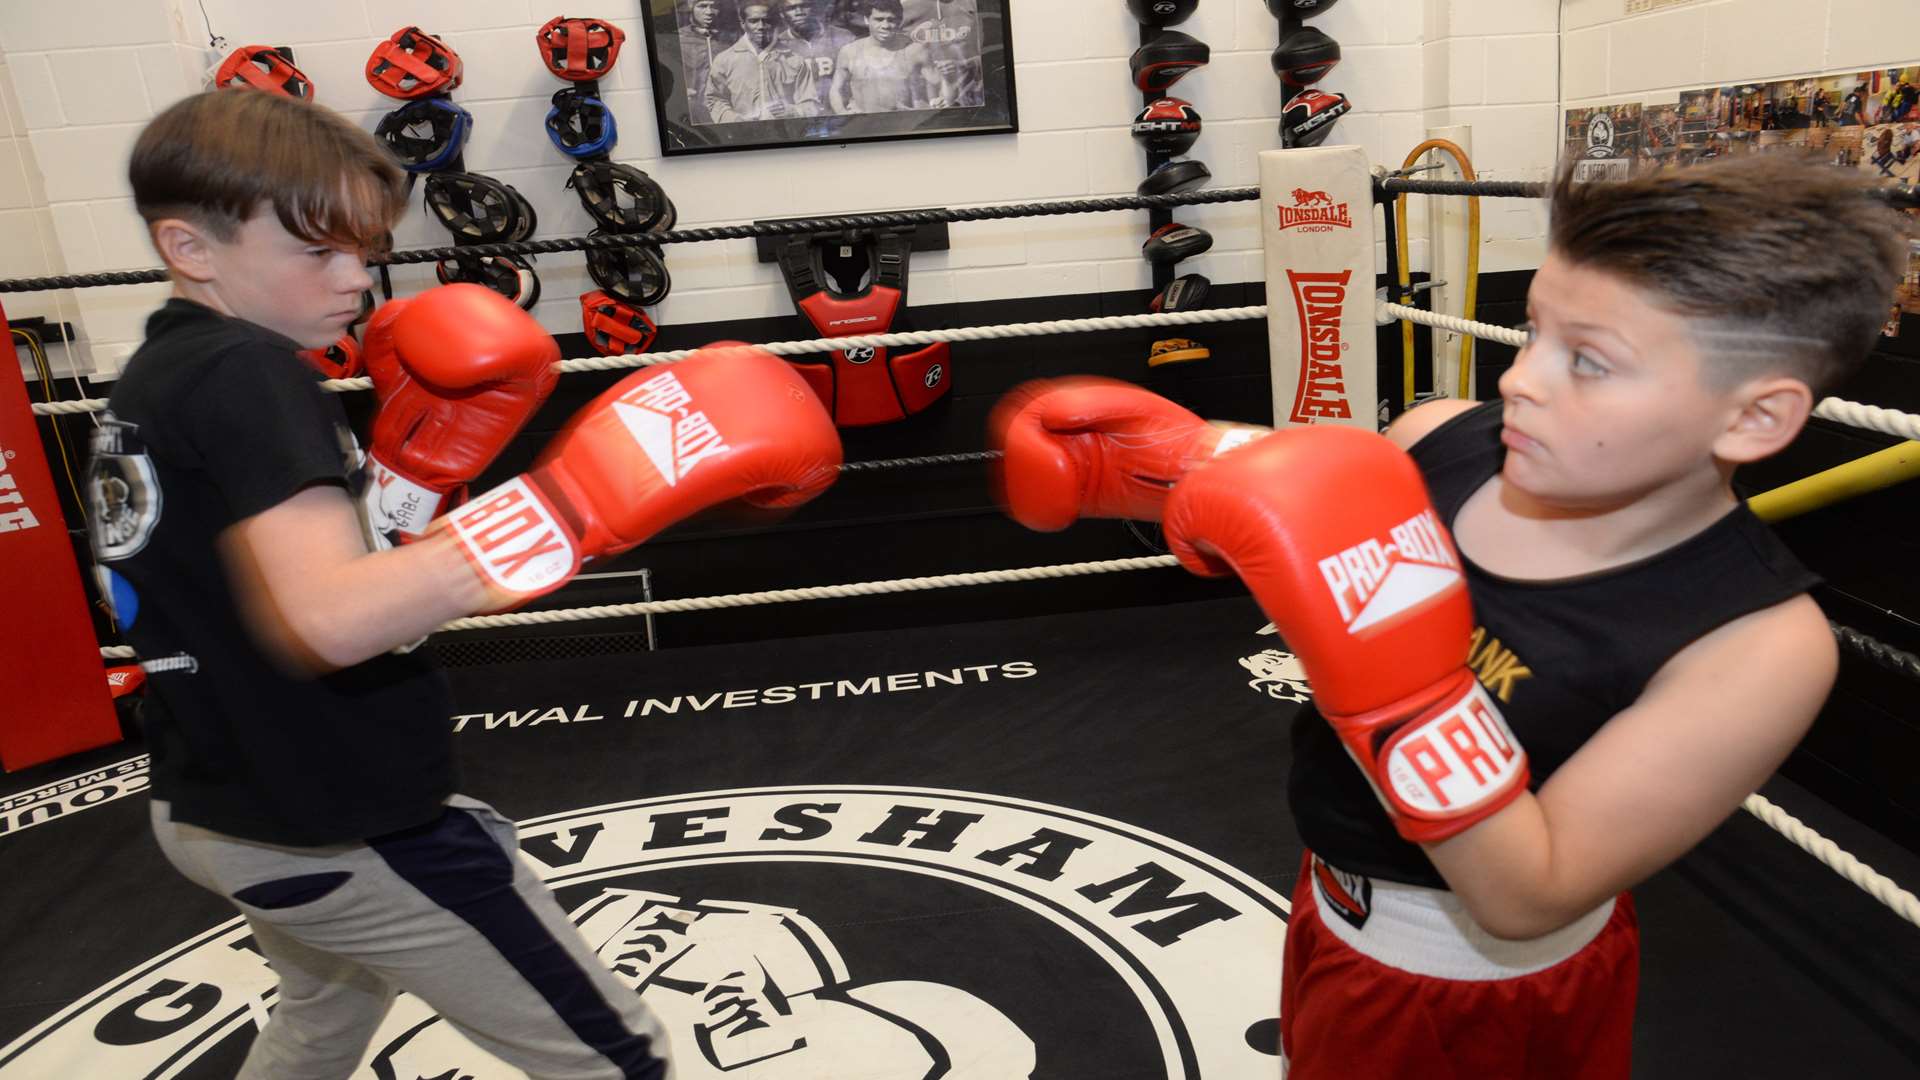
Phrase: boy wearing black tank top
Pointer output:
(1649, 641)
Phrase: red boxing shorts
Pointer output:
(1385, 980)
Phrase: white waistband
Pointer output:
(1428, 932)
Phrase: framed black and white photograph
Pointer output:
(752, 74)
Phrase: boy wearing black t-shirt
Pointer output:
(302, 768)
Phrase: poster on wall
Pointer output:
(754, 74)
(1867, 120)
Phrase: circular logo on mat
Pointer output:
(778, 931)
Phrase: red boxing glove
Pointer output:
(729, 422)
(1090, 447)
(458, 370)
(1331, 530)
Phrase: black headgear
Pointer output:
(635, 272)
(478, 209)
(621, 198)
(580, 124)
(426, 134)
(508, 275)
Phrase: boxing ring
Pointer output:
(1006, 833)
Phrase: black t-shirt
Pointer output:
(1562, 657)
(215, 420)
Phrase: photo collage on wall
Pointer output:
(1867, 120)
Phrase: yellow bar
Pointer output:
(1857, 477)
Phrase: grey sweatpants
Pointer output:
(447, 912)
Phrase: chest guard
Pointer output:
(861, 386)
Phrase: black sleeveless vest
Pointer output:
(1561, 657)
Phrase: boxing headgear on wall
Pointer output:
(413, 63)
(263, 67)
(425, 134)
(579, 49)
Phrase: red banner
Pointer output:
(53, 690)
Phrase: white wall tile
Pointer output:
(1084, 238)
(33, 85)
(499, 64)
(1523, 69)
(1054, 279)
(1434, 73)
(1764, 39)
(1485, 18)
(928, 288)
(22, 251)
(1236, 86)
(73, 24)
(123, 236)
(446, 18)
(1125, 275)
(252, 22)
(989, 243)
(1372, 22)
(1657, 51)
(1058, 97)
(1867, 34)
(1045, 31)
(79, 247)
(1512, 141)
(719, 305)
(169, 75)
(1380, 78)
(101, 86)
(1466, 71)
(12, 122)
(1583, 63)
(1577, 14)
(20, 183)
(85, 162)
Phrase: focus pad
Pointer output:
(1168, 126)
(1305, 56)
(1173, 241)
(1174, 177)
(1187, 292)
(1309, 116)
(1161, 62)
(1161, 12)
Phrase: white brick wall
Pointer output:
(1506, 68)
(1607, 56)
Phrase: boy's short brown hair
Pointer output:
(215, 157)
(1783, 263)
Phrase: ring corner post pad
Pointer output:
(1317, 232)
(54, 684)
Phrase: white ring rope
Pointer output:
(1853, 413)
(819, 345)
(818, 592)
(1877, 885)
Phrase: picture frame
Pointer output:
(800, 72)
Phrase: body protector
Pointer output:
(855, 285)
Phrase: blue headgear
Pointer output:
(426, 133)
(580, 124)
